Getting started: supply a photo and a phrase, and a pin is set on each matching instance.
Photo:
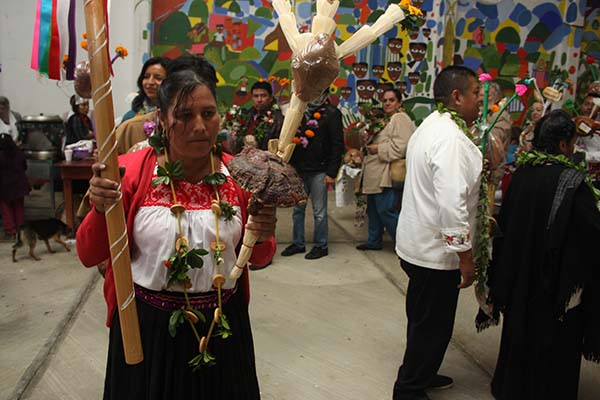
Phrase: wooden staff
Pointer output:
(115, 217)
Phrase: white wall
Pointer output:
(30, 93)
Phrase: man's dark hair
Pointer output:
(451, 78)
(262, 85)
(198, 64)
(551, 129)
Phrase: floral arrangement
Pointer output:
(237, 120)
(185, 258)
(414, 16)
(307, 130)
(120, 51)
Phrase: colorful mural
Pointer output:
(511, 40)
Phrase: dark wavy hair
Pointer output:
(198, 64)
(551, 130)
(138, 101)
(177, 87)
(396, 92)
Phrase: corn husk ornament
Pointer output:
(315, 65)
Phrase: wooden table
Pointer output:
(71, 171)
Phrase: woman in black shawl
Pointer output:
(545, 273)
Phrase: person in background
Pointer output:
(14, 186)
(436, 228)
(535, 114)
(135, 131)
(317, 158)
(381, 149)
(499, 136)
(189, 123)
(590, 145)
(545, 271)
(153, 72)
(9, 119)
(264, 118)
(79, 125)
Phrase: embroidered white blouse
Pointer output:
(155, 230)
(439, 205)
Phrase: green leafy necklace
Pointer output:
(536, 157)
(185, 258)
(481, 255)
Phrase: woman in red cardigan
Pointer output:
(185, 219)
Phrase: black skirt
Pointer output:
(165, 373)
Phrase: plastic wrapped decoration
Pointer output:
(83, 83)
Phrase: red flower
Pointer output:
(167, 263)
(242, 121)
(590, 59)
(228, 117)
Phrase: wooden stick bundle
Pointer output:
(115, 216)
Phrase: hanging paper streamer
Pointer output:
(54, 44)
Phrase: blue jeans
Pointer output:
(382, 213)
(316, 189)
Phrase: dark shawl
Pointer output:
(548, 249)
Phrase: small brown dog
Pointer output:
(43, 229)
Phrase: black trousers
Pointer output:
(431, 302)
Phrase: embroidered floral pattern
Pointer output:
(458, 239)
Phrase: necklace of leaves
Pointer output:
(481, 256)
(536, 157)
(185, 258)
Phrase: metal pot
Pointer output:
(41, 136)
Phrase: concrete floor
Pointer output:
(333, 328)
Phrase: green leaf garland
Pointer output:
(481, 254)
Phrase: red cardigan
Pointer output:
(92, 236)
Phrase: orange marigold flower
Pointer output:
(84, 44)
(272, 78)
(65, 57)
(284, 81)
(121, 51)
(296, 140)
(261, 79)
(495, 108)
(84, 35)
(309, 133)
(317, 115)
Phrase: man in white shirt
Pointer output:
(436, 227)
(8, 119)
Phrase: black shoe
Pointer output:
(365, 246)
(440, 382)
(316, 252)
(253, 267)
(292, 249)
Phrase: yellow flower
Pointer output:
(405, 3)
(414, 10)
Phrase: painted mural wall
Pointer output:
(509, 39)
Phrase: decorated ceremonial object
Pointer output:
(101, 93)
(315, 65)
